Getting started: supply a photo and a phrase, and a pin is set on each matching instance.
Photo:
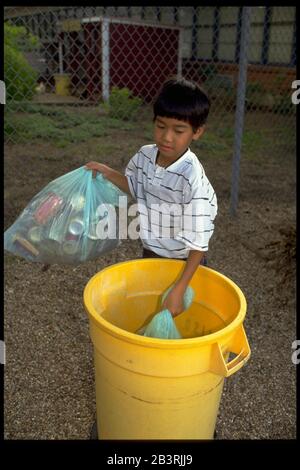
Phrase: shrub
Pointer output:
(122, 105)
(19, 77)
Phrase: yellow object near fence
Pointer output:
(150, 388)
(62, 84)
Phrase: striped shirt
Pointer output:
(177, 205)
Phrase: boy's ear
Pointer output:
(199, 132)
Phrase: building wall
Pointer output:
(210, 33)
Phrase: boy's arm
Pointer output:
(174, 300)
(113, 176)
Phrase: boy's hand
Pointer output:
(111, 175)
(95, 166)
(174, 301)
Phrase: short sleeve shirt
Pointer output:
(177, 205)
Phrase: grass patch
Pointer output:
(113, 123)
(253, 141)
(60, 132)
(60, 127)
(211, 144)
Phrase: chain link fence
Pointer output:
(114, 59)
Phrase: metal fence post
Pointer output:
(105, 59)
(180, 46)
(60, 56)
(240, 108)
(2, 92)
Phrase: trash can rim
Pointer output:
(158, 342)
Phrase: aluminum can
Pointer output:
(70, 247)
(69, 236)
(92, 233)
(76, 227)
(48, 208)
(78, 201)
(50, 247)
(35, 234)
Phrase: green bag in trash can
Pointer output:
(162, 324)
(67, 221)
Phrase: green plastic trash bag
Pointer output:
(67, 221)
(162, 324)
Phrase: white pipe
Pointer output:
(60, 57)
(180, 46)
(105, 59)
(2, 92)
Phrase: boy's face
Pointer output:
(173, 137)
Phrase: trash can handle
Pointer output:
(238, 345)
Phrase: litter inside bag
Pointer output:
(162, 324)
(72, 220)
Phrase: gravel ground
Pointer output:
(49, 374)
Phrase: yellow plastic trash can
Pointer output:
(150, 388)
(62, 84)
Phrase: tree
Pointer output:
(19, 77)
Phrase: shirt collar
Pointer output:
(173, 164)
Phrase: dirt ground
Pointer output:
(49, 374)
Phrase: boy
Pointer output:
(170, 185)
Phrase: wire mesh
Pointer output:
(116, 58)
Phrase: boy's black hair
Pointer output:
(184, 100)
